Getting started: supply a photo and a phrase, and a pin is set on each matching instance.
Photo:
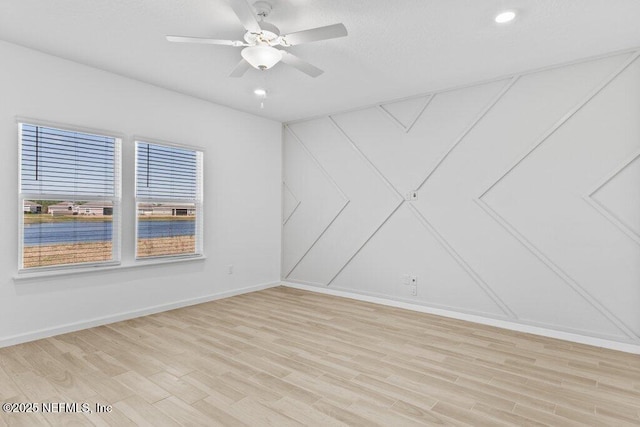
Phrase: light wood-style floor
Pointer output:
(288, 357)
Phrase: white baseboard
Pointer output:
(99, 321)
(505, 324)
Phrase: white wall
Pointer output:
(528, 207)
(242, 194)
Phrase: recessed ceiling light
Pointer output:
(260, 92)
(506, 16)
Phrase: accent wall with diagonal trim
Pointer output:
(515, 199)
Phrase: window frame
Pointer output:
(116, 199)
(198, 202)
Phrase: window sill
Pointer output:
(36, 275)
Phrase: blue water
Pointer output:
(99, 231)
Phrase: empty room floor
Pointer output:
(289, 357)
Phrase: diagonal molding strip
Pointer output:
(322, 169)
(557, 270)
(366, 159)
(613, 219)
(316, 240)
(291, 214)
(365, 243)
(465, 266)
(603, 210)
(478, 119)
(286, 188)
(419, 113)
(564, 119)
(424, 108)
(616, 171)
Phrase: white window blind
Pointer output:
(70, 197)
(168, 200)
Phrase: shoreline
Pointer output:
(47, 219)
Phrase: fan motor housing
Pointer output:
(269, 33)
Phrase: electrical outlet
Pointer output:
(411, 195)
(414, 290)
(413, 280)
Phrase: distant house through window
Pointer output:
(69, 186)
(168, 201)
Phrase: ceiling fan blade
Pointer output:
(299, 64)
(200, 40)
(245, 15)
(315, 34)
(240, 69)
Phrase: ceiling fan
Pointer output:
(260, 40)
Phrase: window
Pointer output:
(168, 201)
(70, 196)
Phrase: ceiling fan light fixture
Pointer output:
(506, 16)
(261, 57)
(261, 37)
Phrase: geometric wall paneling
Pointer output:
(370, 201)
(547, 213)
(320, 201)
(531, 106)
(405, 113)
(616, 197)
(455, 113)
(289, 203)
(500, 227)
(406, 158)
(408, 249)
(551, 298)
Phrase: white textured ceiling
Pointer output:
(395, 48)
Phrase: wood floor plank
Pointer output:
(105, 363)
(383, 415)
(396, 392)
(285, 357)
(305, 414)
(249, 388)
(143, 413)
(285, 388)
(215, 414)
(465, 416)
(108, 388)
(36, 388)
(144, 388)
(8, 388)
(114, 417)
(71, 385)
(421, 413)
(214, 388)
(340, 395)
(254, 412)
(178, 387)
(505, 416)
(182, 413)
(550, 419)
(344, 415)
